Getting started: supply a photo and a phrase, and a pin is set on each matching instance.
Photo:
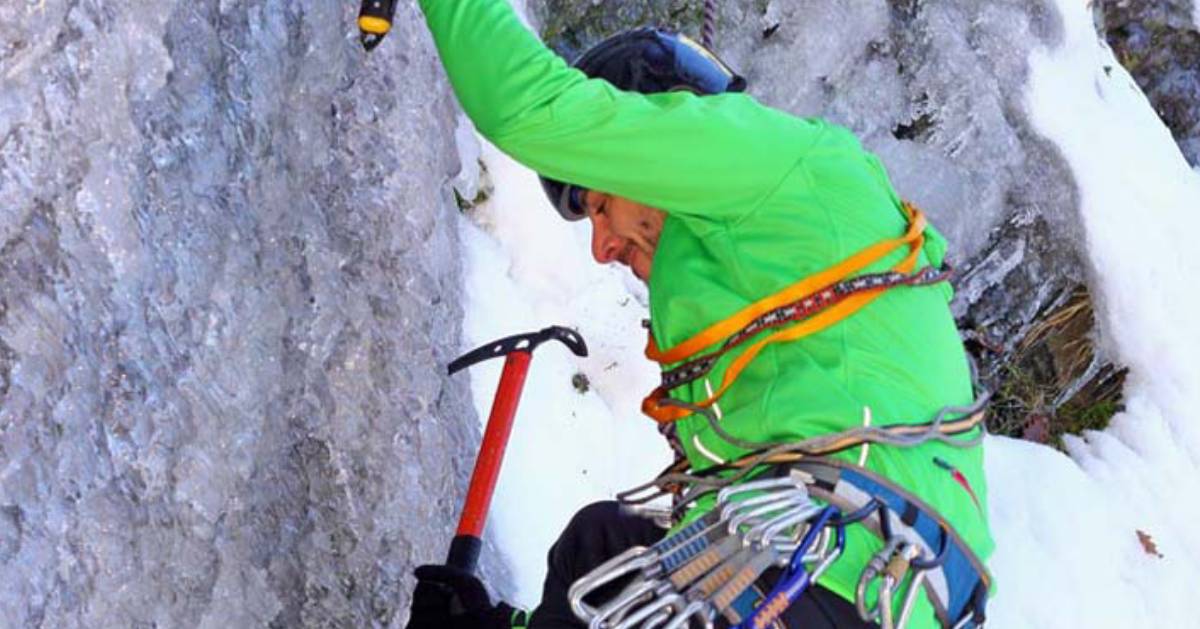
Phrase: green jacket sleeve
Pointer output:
(714, 156)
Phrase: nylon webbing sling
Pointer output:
(827, 305)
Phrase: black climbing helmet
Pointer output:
(647, 60)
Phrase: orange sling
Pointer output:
(656, 405)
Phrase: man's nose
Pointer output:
(606, 245)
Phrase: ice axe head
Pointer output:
(521, 343)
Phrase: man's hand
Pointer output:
(449, 598)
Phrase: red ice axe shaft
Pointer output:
(518, 351)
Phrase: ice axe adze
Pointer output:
(517, 350)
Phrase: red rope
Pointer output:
(708, 30)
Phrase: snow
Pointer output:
(1138, 201)
(1067, 526)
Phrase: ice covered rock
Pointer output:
(228, 284)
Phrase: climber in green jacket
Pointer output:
(721, 205)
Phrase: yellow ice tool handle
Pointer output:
(914, 238)
(375, 20)
(373, 24)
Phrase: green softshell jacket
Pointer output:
(756, 199)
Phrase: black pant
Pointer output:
(603, 530)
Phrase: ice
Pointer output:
(228, 289)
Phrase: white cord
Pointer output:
(708, 454)
(716, 405)
(866, 447)
(705, 451)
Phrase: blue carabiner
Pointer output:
(796, 578)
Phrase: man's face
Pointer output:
(624, 231)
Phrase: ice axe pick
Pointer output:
(517, 351)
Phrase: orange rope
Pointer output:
(914, 238)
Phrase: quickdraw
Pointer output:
(813, 304)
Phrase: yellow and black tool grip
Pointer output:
(374, 21)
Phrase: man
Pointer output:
(720, 205)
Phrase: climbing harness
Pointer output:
(793, 516)
(811, 305)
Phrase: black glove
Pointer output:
(449, 598)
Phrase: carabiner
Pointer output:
(891, 564)
(724, 495)
(874, 568)
(633, 560)
(695, 609)
(615, 610)
(910, 598)
(663, 606)
(752, 516)
(765, 533)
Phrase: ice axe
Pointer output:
(517, 350)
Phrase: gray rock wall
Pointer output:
(1159, 43)
(227, 282)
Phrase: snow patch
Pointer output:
(526, 269)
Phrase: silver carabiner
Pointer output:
(757, 485)
(765, 509)
(728, 506)
(826, 561)
(821, 548)
(633, 560)
(788, 547)
(883, 607)
(695, 609)
(614, 611)
(765, 533)
(663, 606)
(880, 566)
(873, 570)
(740, 507)
(914, 586)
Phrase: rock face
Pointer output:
(1159, 43)
(228, 285)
